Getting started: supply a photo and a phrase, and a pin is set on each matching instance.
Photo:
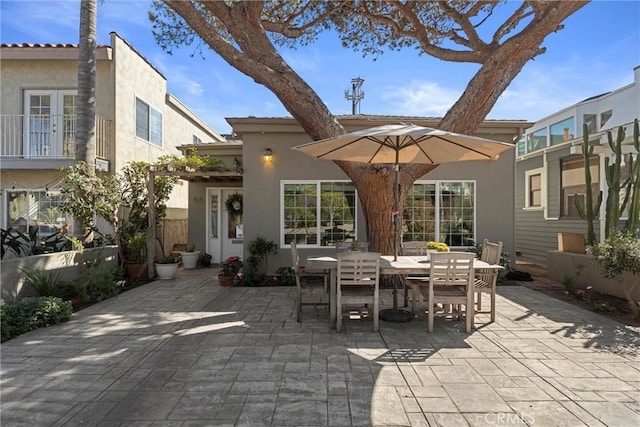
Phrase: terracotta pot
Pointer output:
(225, 280)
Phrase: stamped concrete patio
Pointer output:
(187, 352)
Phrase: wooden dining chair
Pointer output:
(451, 281)
(302, 277)
(358, 282)
(486, 280)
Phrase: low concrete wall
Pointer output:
(67, 265)
(560, 264)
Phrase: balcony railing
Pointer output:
(33, 136)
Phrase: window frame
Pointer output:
(33, 211)
(564, 189)
(527, 189)
(318, 183)
(571, 131)
(153, 133)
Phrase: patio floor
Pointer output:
(187, 352)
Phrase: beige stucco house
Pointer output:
(137, 120)
(291, 196)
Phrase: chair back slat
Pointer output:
(414, 248)
(451, 268)
(358, 268)
(491, 252)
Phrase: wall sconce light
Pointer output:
(267, 154)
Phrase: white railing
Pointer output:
(48, 136)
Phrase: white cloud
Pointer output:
(543, 89)
(419, 98)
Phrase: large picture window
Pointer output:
(537, 140)
(440, 211)
(148, 123)
(40, 209)
(321, 213)
(562, 131)
(318, 213)
(573, 188)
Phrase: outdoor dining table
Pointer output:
(404, 264)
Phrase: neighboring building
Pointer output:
(550, 167)
(137, 120)
(478, 195)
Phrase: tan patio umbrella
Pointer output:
(403, 143)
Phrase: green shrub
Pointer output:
(44, 285)
(31, 313)
(99, 284)
(620, 252)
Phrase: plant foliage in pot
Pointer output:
(190, 257)
(229, 270)
(167, 267)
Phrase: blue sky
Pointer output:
(595, 53)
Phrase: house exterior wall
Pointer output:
(495, 190)
(537, 229)
(122, 74)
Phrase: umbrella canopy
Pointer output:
(404, 143)
(401, 144)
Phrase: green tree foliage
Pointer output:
(245, 33)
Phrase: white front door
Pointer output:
(49, 126)
(224, 231)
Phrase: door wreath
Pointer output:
(234, 204)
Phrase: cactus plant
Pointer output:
(613, 174)
(589, 211)
(633, 187)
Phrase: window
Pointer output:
(41, 209)
(440, 211)
(148, 123)
(534, 194)
(604, 117)
(50, 123)
(537, 140)
(562, 131)
(590, 121)
(319, 213)
(197, 140)
(573, 188)
(521, 146)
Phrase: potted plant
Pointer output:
(190, 257)
(229, 270)
(167, 267)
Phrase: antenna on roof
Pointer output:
(356, 95)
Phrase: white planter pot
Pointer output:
(166, 271)
(190, 259)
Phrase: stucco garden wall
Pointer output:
(561, 264)
(67, 265)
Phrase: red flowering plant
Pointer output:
(230, 266)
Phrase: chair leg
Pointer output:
(479, 301)
(376, 313)
(299, 305)
(493, 304)
(414, 299)
(469, 310)
(430, 313)
(339, 312)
